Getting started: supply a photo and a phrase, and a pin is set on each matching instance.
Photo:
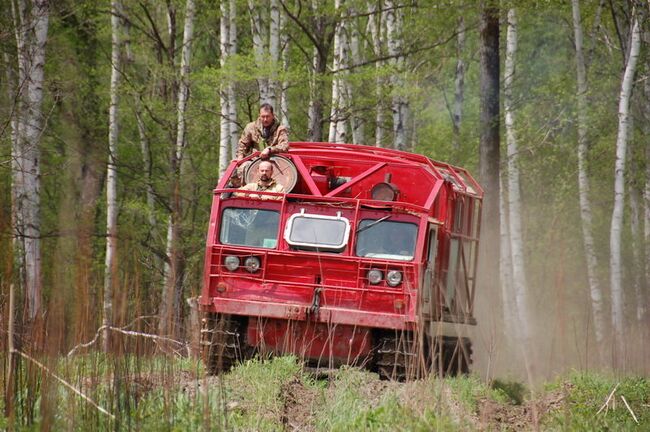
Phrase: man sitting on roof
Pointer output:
(265, 134)
(266, 183)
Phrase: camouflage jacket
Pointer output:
(253, 138)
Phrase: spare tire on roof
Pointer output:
(284, 172)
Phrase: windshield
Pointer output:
(317, 231)
(249, 227)
(386, 239)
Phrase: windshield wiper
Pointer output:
(372, 224)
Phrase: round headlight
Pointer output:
(252, 264)
(231, 262)
(394, 278)
(374, 276)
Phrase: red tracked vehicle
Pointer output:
(369, 259)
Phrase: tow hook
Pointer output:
(315, 303)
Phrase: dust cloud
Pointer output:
(559, 311)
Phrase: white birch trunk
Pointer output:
(459, 83)
(111, 176)
(356, 122)
(145, 149)
(374, 27)
(318, 71)
(274, 51)
(646, 193)
(519, 282)
(284, 95)
(171, 303)
(637, 238)
(399, 103)
(334, 110)
(313, 118)
(344, 85)
(259, 48)
(331, 136)
(619, 198)
(224, 121)
(595, 289)
(505, 263)
(232, 102)
(166, 301)
(31, 37)
(16, 177)
(337, 129)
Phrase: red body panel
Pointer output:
(306, 339)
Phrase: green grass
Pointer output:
(173, 394)
(587, 393)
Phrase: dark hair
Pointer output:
(266, 107)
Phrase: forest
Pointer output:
(118, 118)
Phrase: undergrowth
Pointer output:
(164, 394)
(587, 407)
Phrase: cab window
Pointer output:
(249, 227)
(317, 232)
(386, 239)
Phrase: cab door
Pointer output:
(429, 275)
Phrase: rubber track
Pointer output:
(221, 343)
(397, 357)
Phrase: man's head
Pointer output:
(265, 170)
(266, 114)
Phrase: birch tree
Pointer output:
(260, 43)
(111, 176)
(319, 28)
(338, 113)
(519, 282)
(619, 196)
(265, 31)
(583, 182)
(374, 28)
(394, 42)
(16, 185)
(635, 230)
(31, 27)
(646, 193)
(356, 121)
(284, 92)
(274, 50)
(171, 304)
(228, 120)
(232, 105)
(343, 117)
(505, 263)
